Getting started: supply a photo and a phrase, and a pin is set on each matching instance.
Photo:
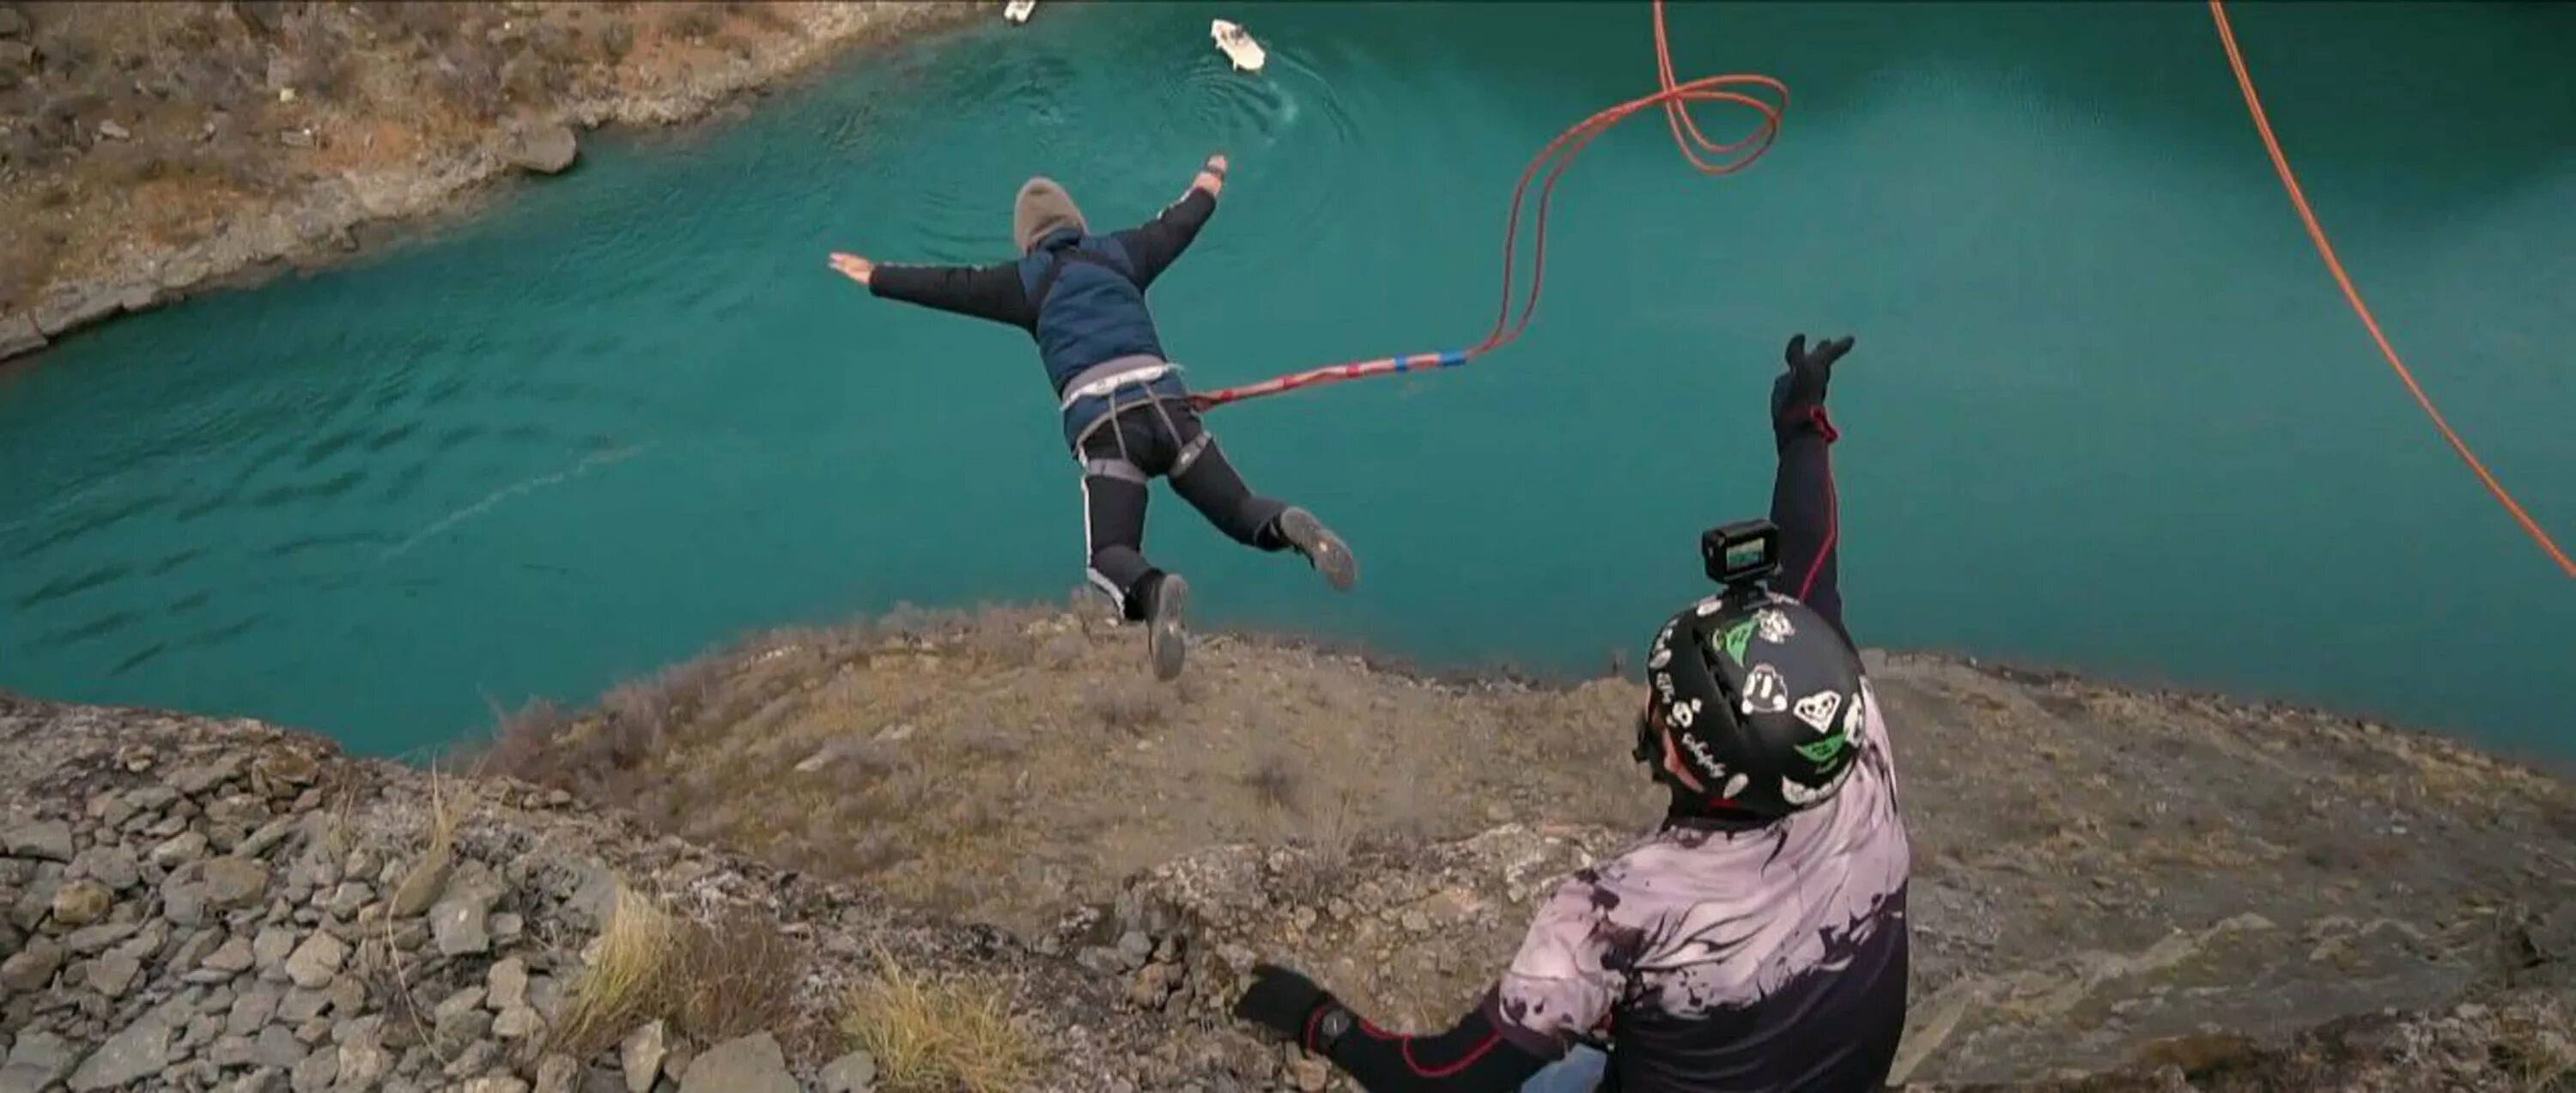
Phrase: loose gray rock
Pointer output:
(269, 951)
(517, 1022)
(260, 1081)
(316, 1073)
(855, 1072)
(557, 1073)
(196, 779)
(81, 903)
(178, 850)
(641, 1056)
(347, 899)
(33, 968)
(278, 1047)
(421, 887)
(507, 927)
(112, 865)
(363, 1063)
(92, 939)
(203, 888)
(232, 957)
(258, 843)
(113, 131)
(12, 24)
(302, 1005)
(1134, 949)
(45, 840)
(496, 1083)
(750, 1064)
(458, 924)
(252, 1009)
(317, 961)
(546, 149)
(232, 1051)
(507, 985)
(140, 1051)
(456, 1032)
(111, 974)
(465, 1000)
(37, 1060)
(475, 1058)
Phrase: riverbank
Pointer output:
(152, 151)
(915, 847)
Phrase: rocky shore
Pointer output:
(2116, 889)
(152, 150)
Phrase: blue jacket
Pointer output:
(1080, 296)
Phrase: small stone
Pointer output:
(301, 1005)
(517, 1022)
(1134, 948)
(316, 1073)
(138, 1052)
(1101, 961)
(751, 1064)
(496, 1083)
(258, 843)
(195, 947)
(264, 1080)
(855, 1072)
(178, 850)
(458, 1031)
(422, 886)
(113, 131)
(545, 995)
(269, 952)
(508, 985)
(110, 974)
(458, 924)
(197, 779)
(474, 1058)
(1310, 1074)
(201, 1031)
(232, 1051)
(470, 998)
(252, 1009)
(111, 865)
(81, 903)
(286, 770)
(316, 961)
(33, 968)
(93, 939)
(231, 957)
(12, 24)
(212, 886)
(45, 840)
(278, 1047)
(507, 927)
(37, 1060)
(557, 1073)
(641, 1057)
(363, 1063)
(348, 995)
(312, 1033)
(347, 898)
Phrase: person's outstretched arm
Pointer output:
(985, 292)
(1802, 495)
(1154, 245)
(1559, 989)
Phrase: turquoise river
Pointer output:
(2107, 411)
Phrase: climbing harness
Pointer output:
(2351, 295)
(1675, 99)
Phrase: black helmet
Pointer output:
(1754, 705)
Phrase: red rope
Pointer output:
(1675, 98)
(2351, 295)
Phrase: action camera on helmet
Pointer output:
(1742, 554)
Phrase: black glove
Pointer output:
(1281, 1001)
(1799, 394)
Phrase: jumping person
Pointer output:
(1757, 940)
(1127, 415)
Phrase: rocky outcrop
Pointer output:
(264, 147)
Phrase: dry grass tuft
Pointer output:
(1128, 706)
(710, 980)
(938, 1035)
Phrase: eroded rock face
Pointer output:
(546, 149)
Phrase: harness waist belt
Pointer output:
(1110, 375)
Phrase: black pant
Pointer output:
(1150, 437)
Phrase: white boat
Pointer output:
(1017, 11)
(1238, 46)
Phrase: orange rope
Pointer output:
(2325, 250)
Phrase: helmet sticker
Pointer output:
(1821, 752)
(1817, 709)
(1774, 625)
(1711, 606)
(1735, 786)
(1662, 655)
(1853, 720)
(1664, 686)
(1765, 691)
(1686, 712)
(1801, 794)
(1735, 639)
(1698, 750)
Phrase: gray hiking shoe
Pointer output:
(1167, 637)
(1325, 550)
